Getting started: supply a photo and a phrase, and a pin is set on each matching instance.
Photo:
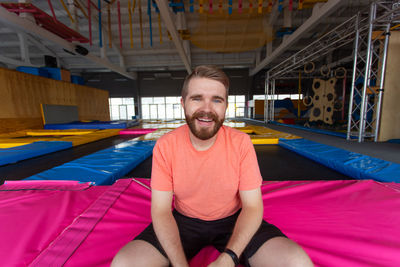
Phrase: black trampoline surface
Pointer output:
(276, 164)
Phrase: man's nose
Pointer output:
(206, 105)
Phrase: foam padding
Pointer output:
(265, 136)
(154, 135)
(57, 132)
(337, 134)
(338, 223)
(92, 125)
(137, 131)
(103, 167)
(349, 163)
(22, 138)
(15, 154)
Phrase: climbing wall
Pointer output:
(323, 100)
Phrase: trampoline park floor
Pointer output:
(29, 167)
(276, 163)
(382, 150)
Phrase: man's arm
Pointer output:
(246, 226)
(166, 228)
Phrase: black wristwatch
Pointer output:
(233, 256)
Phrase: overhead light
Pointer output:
(120, 80)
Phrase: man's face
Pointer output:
(205, 106)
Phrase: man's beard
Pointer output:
(204, 133)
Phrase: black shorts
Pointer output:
(196, 234)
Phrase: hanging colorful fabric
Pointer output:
(210, 6)
(220, 7)
(149, 14)
(90, 22)
(229, 7)
(300, 7)
(191, 8)
(260, 7)
(280, 5)
(290, 5)
(100, 31)
(109, 26)
(201, 8)
(240, 5)
(130, 24)
(119, 23)
(140, 24)
(250, 6)
(269, 9)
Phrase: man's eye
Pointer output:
(217, 101)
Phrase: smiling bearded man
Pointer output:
(210, 173)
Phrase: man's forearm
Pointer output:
(167, 233)
(246, 226)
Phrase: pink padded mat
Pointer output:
(338, 223)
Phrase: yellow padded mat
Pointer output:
(265, 136)
(22, 138)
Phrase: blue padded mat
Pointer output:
(349, 163)
(14, 154)
(92, 125)
(103, 167)
(338, 134)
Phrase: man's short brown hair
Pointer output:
(206, 71)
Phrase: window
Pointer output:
(163, 108)
(236, 106)
(121, 108)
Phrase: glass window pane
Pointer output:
(158, 100)
(231, 98)
(171, 99)
(153, 111)
(127, 100)
(131, 111)
(123, 112)
(116, 101)
(114, 113)
(147, 100)
(240, 98)
(169, 111)
(161, 111)
(146, 111)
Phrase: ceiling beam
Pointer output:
(169, 23)
(316, 17)
(27, 26)
(16, 62)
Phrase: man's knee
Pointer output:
(139, 253)
(280, 251)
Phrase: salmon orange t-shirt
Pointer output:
(205, 184)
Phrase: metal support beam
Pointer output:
(182, 25)
(14, 21)
(24, 48)
(15, 62)
(167, 18)
(311, 22)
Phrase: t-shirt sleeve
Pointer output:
(250, 176)
(161, 173)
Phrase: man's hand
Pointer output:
(224, 260)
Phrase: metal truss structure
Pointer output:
(370, 33)
(370, 54)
